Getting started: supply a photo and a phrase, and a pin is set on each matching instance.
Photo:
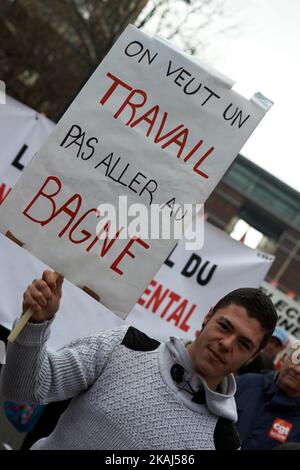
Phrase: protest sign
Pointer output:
(288, 310)
(151, 125)
(200, 276)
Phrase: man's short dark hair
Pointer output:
(258, 306)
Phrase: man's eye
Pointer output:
(224, 326)
(245, 345)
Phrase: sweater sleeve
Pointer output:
(34, 375)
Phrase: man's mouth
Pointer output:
(216, 355)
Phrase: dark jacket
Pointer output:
(267, 417)
(259, 365)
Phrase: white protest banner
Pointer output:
(287, 309)
(22, 132)
(150, 125)
(193, 281)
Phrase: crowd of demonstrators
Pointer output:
(129, 391)
(266, 360)
(277, 343)
(269, 405)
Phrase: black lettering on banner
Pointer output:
(200, 279)
(117, 170)
(187, 270)
(183, 214)
(136, 48)
(107, 162)
(290, 326)
(150, 190)
(170, 204)
(168, 262)
(280, 305)
(296, 332)
(76, 136)
(135, 180)
(16, 162)
(292, 312)
(88, 144)
(192, 266)
(234, 116)
(171, 72)
(185, 79)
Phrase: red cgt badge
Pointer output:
(280, 430)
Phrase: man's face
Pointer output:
(229, 339)
(289, 377)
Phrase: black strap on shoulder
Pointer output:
(138, 341)
(226, 436)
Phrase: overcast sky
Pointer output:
(261, 53)
(265, 56)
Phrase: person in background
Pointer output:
(277, 343)
(269, 405)
(265, 360)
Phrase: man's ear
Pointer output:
(207, 317)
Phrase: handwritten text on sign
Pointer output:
(151, 125)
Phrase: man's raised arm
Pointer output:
(34, 375)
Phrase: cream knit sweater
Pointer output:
(124, 398)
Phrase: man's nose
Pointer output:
(227, 342)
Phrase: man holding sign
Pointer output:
(158, 129)
(131, 392)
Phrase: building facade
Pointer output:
(268, 205)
